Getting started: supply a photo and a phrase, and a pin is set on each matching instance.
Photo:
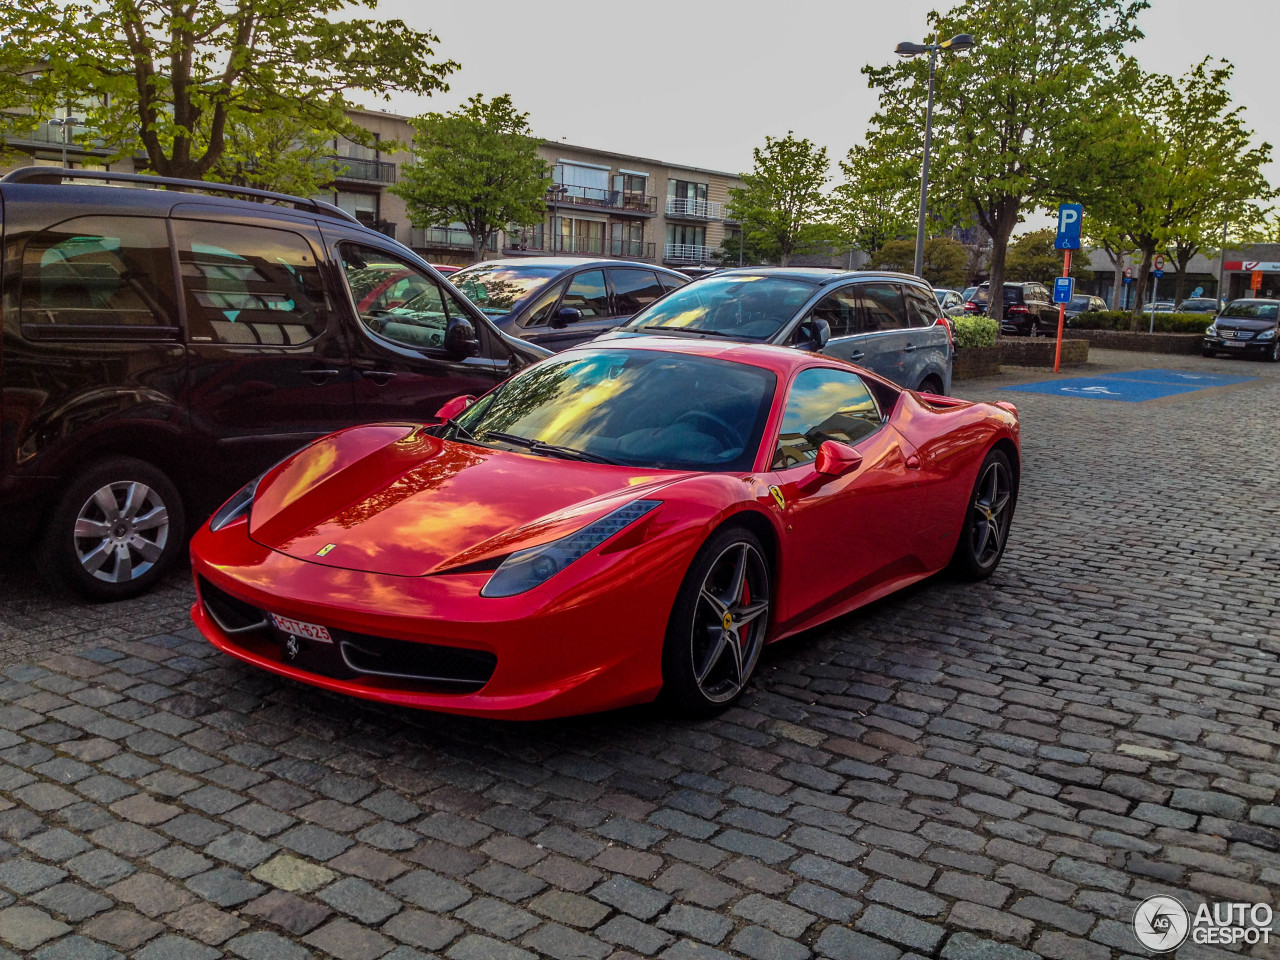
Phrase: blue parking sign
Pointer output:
(1063, 288)
(1069, 217)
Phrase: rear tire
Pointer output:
(116, 531)
(718, 624)
(930, 384)
(988, 516)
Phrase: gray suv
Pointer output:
(890, 323)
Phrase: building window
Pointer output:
(686, 190)
(575, 235)
(362, 206)
(686, 234)
(582, 182)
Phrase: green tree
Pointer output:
(875, 203)
(781, 204)
(172, 79)
(1009, 116)
(1032, 256)
(478, 166)
(283, 156)
(945, 260)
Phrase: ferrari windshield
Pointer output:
(497, 287)
(1252, 309)
(736, 305)
(642, 408)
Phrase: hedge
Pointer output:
(976, 331)
(1121, 320)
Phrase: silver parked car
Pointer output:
(890, 323)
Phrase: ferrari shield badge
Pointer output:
(778, 498)
(324, 551)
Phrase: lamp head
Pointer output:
(960, 42)
(908, 49)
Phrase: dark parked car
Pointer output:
(889, 323)
(1028, 308)
(557, 302)
(1250, 327)
(1083, 303)
(1202, 305)
(160, 348)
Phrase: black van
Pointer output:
(160, 347)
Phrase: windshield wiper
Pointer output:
(458, 429)
(697, 330)
(541, 446)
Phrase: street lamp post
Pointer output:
(960, 42)
(66, 123)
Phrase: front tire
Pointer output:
(989, 513)
(116, 531)
(1208, 353)
(930, 384)
(718, 624)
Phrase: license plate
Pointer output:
(1228, 343)
(296, 628)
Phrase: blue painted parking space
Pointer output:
(1188, 377)
(1107, 388)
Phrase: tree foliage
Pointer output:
(279, 155)
(1010, 116)
(1032, 256)
(477, 166)
(781, 204)
(945, 260)
(172, 79)
(876, 201)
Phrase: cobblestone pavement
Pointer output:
(993, 771)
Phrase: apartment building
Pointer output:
(599, 204)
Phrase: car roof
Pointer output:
(1253, 300)
(567, 263)
(818, 275)
(778, 359)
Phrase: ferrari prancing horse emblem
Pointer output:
(291, 647)
(324, 551)
(779, 498)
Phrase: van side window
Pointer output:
(840, 310)
(394, 299)
(922, 308)
(249, 285)
(882, 307)
(99, 271)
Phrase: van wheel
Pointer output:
(930, 384)
(116, 530)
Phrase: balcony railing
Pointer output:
(632, 249)
(443, 237)
(366, 171)
(687, 253)
(585, 246)
(695, 209)
(566, 194)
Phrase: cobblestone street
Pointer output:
(989, 772)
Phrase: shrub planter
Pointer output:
(1039, 352)
(1145, 342)
(971, 362)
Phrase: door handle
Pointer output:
(378, 376)
(856, 355)
(320, 374)
(913, 462)
(909, 348)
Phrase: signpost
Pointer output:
(1157, 273)
(1068, 238)
(1128, 282)
(1063, 288)
(1255, 281)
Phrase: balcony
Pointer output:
(583, 246)
(622, 202)
(365, 171)
(53, 135)
(688, 253)
(443, 237)
(694, 209)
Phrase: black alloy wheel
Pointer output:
(718, 624)
(985, 529)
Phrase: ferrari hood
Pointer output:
(392, 499)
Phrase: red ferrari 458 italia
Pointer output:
(620, 520)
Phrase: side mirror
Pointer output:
(460, 338)
(563, 317)
(455, 407)
(813, 334)
(836, 459)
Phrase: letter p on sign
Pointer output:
(1069, 217)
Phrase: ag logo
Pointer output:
(1161, 923)
(291, 648)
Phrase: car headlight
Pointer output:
(1267, 334)
(237, 507)
(526, 569)
(1211, 331)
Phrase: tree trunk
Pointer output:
(1117, 280)
(1004, 223)
(1180, 285)
(1140, 295)
(478, 242)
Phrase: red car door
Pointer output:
(850, 537)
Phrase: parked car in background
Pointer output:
(1250, 327)
(1083, 303)
(162, 347)
(1202, 305)
(889, 323)
(967, 293)
(1159, 306)
(1029, 309)
(950, 301)
(557, 302)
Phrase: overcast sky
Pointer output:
(701, 82)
